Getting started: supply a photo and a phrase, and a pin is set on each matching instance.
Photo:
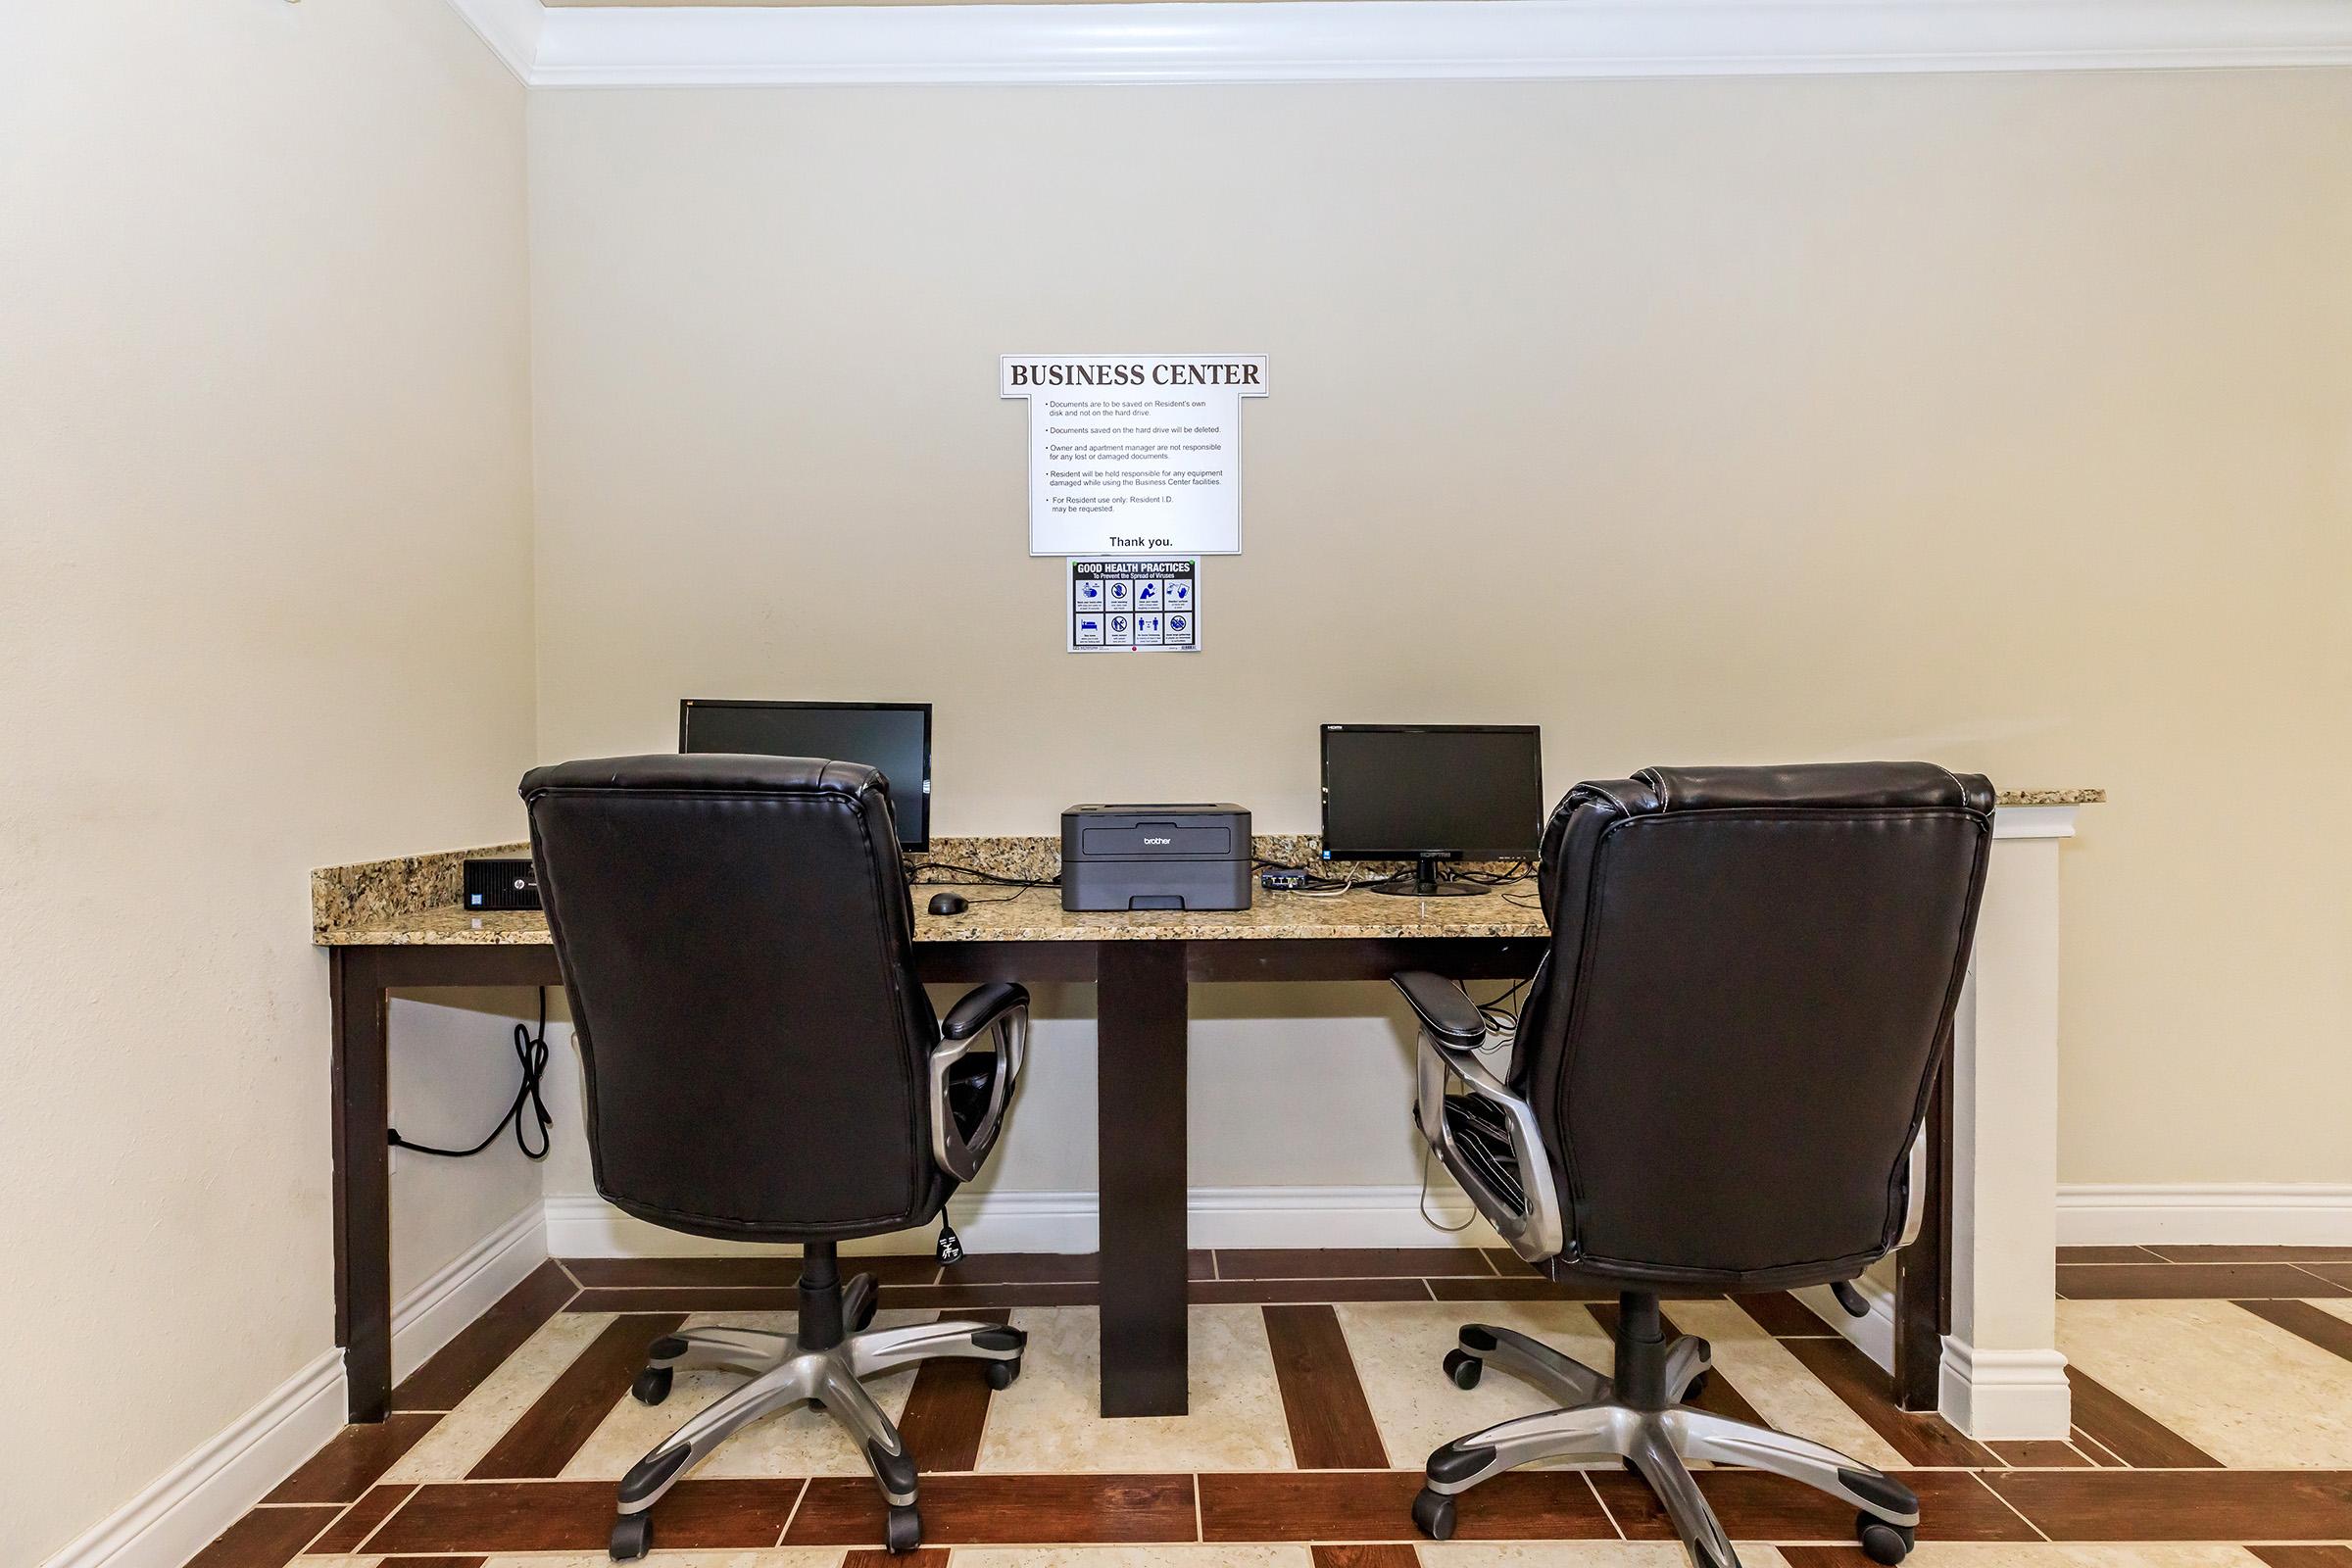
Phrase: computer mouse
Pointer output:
(947, 904)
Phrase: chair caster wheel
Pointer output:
(1698, 1388)
(1433, 1514)
(1464, 1368)
(650, 1388)
(1001, 1373)
(1882, 1542)
(905, 1531)
(632, 1537)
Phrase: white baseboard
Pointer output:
(1874, 1331)
(2000, 1396)
(2221, 1213)
(183, 1509)
(585, 1226)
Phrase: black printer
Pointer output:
(1155, 857)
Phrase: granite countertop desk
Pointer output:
(397, 925)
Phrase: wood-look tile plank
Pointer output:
(1785, 1317)
(354, 1459)
(2306, 1321)
(543, 1439)
(1517, 1288)
(1212, 1293)
(1322, 1398)
(947, 1409)
(786, 1299)
(1370, 1504)
(879, 1557)
(2044, 1455)
(503, 1516)
(2097, 1452)
(2129, 1433)
(1366, 1556)
(2304, 1556)
(1349, 1262)
(891, 1268)
(2182, 1504)
(479, 1348)
(1719, 1395)
(359, 1521)
(1052, 1268)
(2338, 1275)
(1756, 1506)
(2249, 1255)
(2215, 1282)
(972, 1510)
(1921, 1438)
(266, 1538)
(2109, 1254)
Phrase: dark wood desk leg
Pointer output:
(1139, 1030)
(1923, 1271)
(363, 1181)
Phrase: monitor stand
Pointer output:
(1425, 883)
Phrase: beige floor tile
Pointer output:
(1052, 1420)
(2341, 1306)
(790, 1442)
(1217, 1556)
(461, 1438)
(2245, 1391)
(1399, 1348)
(1780, 1387)
(1580, 1554)
(2045, 1554)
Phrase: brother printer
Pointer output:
(1155, 857)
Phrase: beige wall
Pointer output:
(2006, 420)
(265, 553)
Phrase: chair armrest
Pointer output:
(1445, 1012)
(980, 1008)
(1003, 1009)
(1535, 1226)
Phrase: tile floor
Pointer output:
(2213, 1429)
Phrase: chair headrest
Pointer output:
(719, 772)
(1824, 786)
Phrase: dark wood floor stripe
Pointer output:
(2306, 1321)
(266, 1538)
(1784, 1316)
(2110, 1254)
(1322, 1399)
(947, 1409)
(503, 1516)
(542, 1442)
(1052, 1268)
(2183, 1505)
(787, 1299)
(485, 1344)
(2046, 1455)
(1719, 1395)
(1921, 1438)
(2098, 1452)
(1212, 1293)
(1367, 1557)
(894, 1268)
(2252, 1254)
(1374, 1506)
(2152, 1282)
(2127, 1432)
(359, 1521)
(1005, 1510)
(1755, 1506)
(880, 1557)
(1517, 1288)
(1350, 1262)
(2304, 1556)
(354, 1459)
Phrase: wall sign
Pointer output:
(1134, 454)
(1129, 606)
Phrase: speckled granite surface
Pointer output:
(413, 900)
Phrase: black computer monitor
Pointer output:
(1427, 793)
(895, 737)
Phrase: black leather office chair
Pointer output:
(764, 1064)
(1718, 1082)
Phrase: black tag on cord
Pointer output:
(950, 1248)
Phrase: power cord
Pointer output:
(531, 1049)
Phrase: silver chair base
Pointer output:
(1593, 1423)
(785, 1373)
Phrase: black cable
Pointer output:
(531, 1049)
(916, 879)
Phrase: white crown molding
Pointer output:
(1389, 40)
(177, 1515)
(2208, 1214)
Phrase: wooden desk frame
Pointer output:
(1143, 1023)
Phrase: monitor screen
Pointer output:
(895, 737)
(1472, 792)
